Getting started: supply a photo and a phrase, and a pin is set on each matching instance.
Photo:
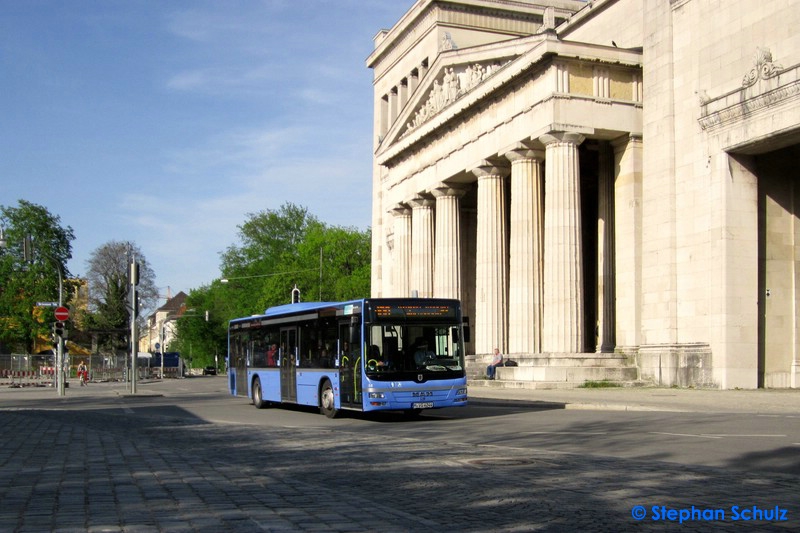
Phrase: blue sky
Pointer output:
(167, 122)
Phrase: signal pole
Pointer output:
(60, 375)
(134, 280)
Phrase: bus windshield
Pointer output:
(396, 350)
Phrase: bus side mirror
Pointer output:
(355, 331)
(465, 325)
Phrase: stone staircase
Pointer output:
(556, 371)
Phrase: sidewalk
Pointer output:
(761, 401)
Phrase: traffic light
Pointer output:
(58, 329)
(133, 273)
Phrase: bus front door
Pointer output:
(349, 368)
(288, 357)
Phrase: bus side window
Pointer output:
(272, 355)
(259, 352)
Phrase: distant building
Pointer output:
(163, 317)
(613, 177)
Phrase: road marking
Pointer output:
(684, 435)
(716, 435)
(566, 433)
(125, 409)
(745, 436)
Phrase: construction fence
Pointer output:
(38, 370)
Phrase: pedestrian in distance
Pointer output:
(497, 360)
(83, 374)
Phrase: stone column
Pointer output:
(606, 315)
(413, 81)
(447, 260)
(393, 106)
(403, 94)
(384, 116)
(563, 257)
(401, 266)
(628, 242)
(491, 262)
(526, 251)
(422, 243)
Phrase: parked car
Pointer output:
(210, 371)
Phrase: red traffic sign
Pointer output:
(62, 313)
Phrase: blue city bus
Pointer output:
(373, 354)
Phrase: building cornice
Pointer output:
(428, 13)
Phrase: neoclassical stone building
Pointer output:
(610, 178)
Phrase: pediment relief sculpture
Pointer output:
(454, 83)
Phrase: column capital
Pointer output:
(521, 152)
(400, 209)
(448, 189)
(421, 201)
(623, 141)
(561, 137)
(488, 168)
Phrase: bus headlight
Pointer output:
(461, 392)
(376, 395)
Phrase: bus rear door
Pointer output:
(288, 357)
(240, 352)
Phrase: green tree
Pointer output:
(109, 301)
(286, 247)
(345, 257)
(278, 249)
(36, 253)
(269, 245)
(202, 339)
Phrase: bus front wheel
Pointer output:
(327, 402)
(258, 395)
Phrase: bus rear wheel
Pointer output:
(258, 395)
(327, 402)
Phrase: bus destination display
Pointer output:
(414, 311)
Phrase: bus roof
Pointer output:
(306, 307)
(300, 307)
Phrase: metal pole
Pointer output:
(134, 340)
(60, 379)
(161, 344)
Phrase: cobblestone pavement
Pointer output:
(62, 470)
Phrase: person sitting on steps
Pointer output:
(497, 360)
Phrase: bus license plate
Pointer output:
(422, 405)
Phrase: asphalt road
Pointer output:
(185, 456)
(747, 442)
